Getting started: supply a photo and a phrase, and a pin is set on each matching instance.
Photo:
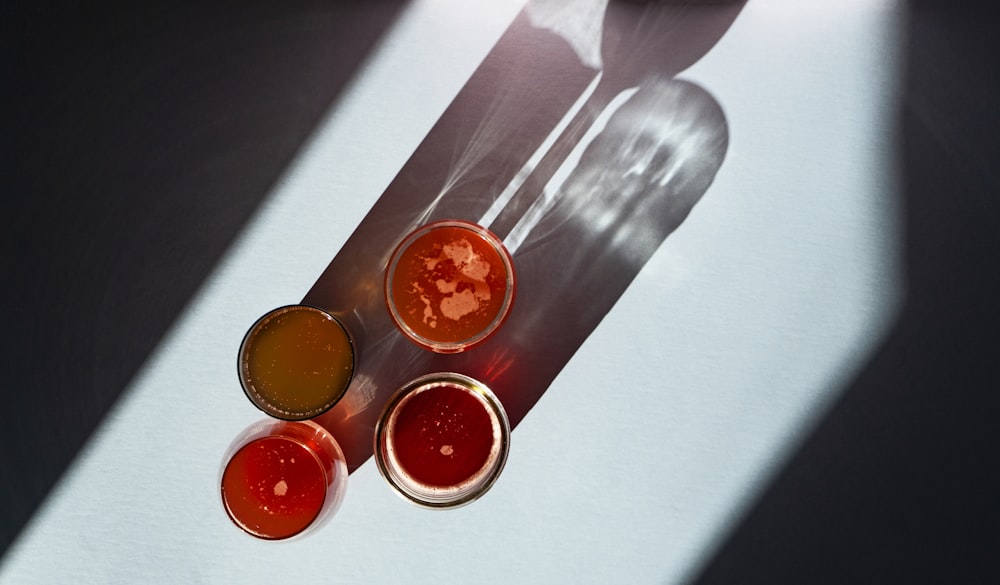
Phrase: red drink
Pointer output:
(442, 435)
(442, 440)
(283, 477)
(449, 285)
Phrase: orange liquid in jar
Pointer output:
(450, 287)
(296, 362)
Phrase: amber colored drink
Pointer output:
(442, 440)
(282, 478)
(296, 362)
(449, 285)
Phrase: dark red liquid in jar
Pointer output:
(450, 285)
(443, 435)
(275, 487)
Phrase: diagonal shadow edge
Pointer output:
(898, 481)
(143, 140)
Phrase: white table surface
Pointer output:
(767, 300)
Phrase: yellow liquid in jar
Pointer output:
(297, 362)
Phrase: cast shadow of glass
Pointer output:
(583, 167)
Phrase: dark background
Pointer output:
(138, 140)
(901, 483)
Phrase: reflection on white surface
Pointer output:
(732, 339)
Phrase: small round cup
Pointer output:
(282, 479)
(442, 440)
(296, 362)
(449, 285)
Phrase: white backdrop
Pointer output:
(656, 436)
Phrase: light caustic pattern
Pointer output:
(640, 168)
(468, 156)
(637, 174)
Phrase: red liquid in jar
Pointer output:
(274, 487)
(450, 285)
(442, 436)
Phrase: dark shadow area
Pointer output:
(900, 481)
(139, 139)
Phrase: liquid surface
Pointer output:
(297, 362)
(274, 487)
(449, 285)
(442, 436)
